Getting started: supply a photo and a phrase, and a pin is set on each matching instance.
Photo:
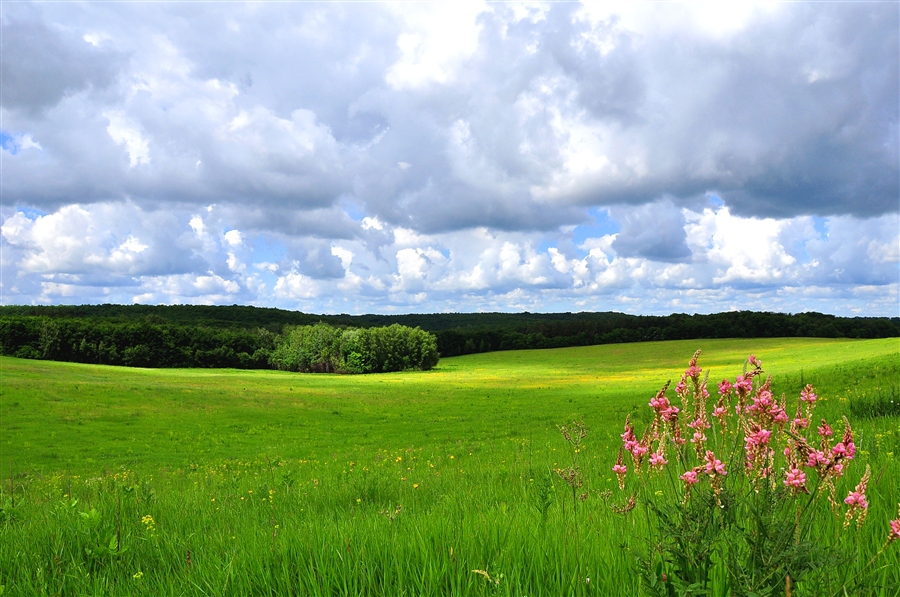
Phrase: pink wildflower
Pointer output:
(795, 478)
(725, 387)
(816, 458)
(670, 414)
(689, 478)
(857, 499)
(658, 459)
(762, 402)
(628, 438)
(659, 403)
(848, 437)
(825, 429)
(681, 388)
(714, 466)
(841, 450)
(780, 417)
(895, 530)
(845, 448)
(894, 533)
(800, 423)
(743, 384)
(698, 424)
(758, 438)
(693, 371)
(754, 361)
(720, 412)
(620, 470)
(808, 395)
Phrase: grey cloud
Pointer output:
(795, 115)
(330, 223)
(654, 231)
(830, 143)
(43, 64)
(610, 84)
(745, 119)
(314, 259)
(799, 116)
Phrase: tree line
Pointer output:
(141, 343)
(586, 329)
(253, 337)
(149, 343)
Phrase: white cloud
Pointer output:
(117, 252)
(295, 286)
(369, 223)
(234, 238)
(741, 249)
(127, 133)
(436, 40)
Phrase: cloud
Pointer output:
(366, 157)
(122, 253)
(742, 250)
(41, 64)
(654, 231)
(115, 240)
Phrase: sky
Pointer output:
(647, 158)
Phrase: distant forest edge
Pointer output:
(248, 337)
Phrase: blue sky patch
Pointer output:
(31, 213)
(8, 142)
(601, 225)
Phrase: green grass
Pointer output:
(264, 482)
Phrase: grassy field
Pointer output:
(128, 481)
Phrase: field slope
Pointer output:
(83, 418)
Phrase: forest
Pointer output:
(249, 337)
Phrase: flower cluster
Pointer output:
(149, 524)
(746, 413)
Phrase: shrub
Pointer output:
(324, 349)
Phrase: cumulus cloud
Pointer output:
(371, 157)
(98, 239)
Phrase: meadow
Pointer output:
(122, 481)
